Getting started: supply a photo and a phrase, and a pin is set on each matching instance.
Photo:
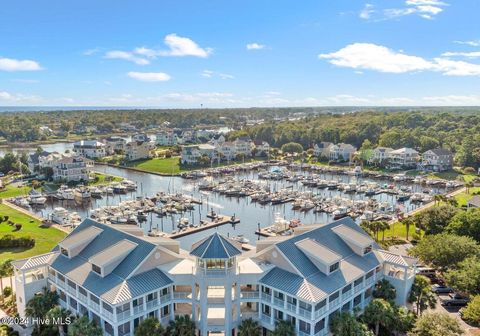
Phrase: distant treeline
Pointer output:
(458, 132)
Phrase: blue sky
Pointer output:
(239, 53)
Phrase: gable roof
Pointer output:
(216, 246)
(439, 151)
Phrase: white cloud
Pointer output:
(426, 9)
(90, 52)
(473, 54)
(367, 11)
(255, 46)
(18, 98)
(10, 64)
(149, 76)
(178, 46)
(375, 57)
(211, 74)
(453, 100)
(473, 43)
(128, 56)
(379, 58)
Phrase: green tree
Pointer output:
(249, 327)
(466, 223)
(379, 312)
(41, 303)
(181, 326)
(346, 324)
(83, 327)
(436, 324)
(420, 294)
(471, 313)
(385, 290)
(466, 277)
(284, 328)
(408, 222)
(59, 313)
(292, 147)
(403, 320)
(445, 250)
(150, 326)
(434, 219)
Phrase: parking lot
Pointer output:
(454, 312)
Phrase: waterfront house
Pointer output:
(118, 279)
(243, 146)
(262, 148)
(340, 152)
(439, 159)
(33, 161)
(140, 137)
(379, 155)
(167, 138)
(137, 150)
(72, 168)
(114, 144)
(321, 149)
(217, 140)
(403, 158)
(191, 154)
(90, 148)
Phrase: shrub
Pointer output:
(18, 227)
(9, 241)
(469, 170)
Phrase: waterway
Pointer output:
(251, 214)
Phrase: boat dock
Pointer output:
(218, 220)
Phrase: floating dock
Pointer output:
(218, 220)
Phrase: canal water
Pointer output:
(251, 214)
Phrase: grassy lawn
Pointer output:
(463, 198)
(158, 165)
(106, 179)
(45, 238)
(12, 190)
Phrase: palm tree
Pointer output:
(83, 327)
(8, 268)
(40, 304)
(421, 295)
(284, 328)
(59, 313)
(385, 290)
(383, 225)
(249, 327)
(468, 185)
(181, 326)
(408, 221)
(379, 312)
(150, 326)
(346, 324)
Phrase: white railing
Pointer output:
(107, 314)
(278, 302)
(320, 311)
(71, 290)
(334, 303)
(181, 295)
(138, 309)
(358, 287)
(247, 315)
(347, 293)
(95, 306)
(266, 297)
(249, 295)
(305, 313)
(165, 298)
(152, 304)
(291, 307)
(266, 318)
(82, 298)
(370, 281)
(123, 315)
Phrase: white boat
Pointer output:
(280, 223)
(340, 213)
(82, 193)
(37, 198)
(399, 177)
(241, 239)
(60, 216)
(65, 193)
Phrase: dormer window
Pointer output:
(334, 267)
(367, 249)
(97, 269)
(64, 251)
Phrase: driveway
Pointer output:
(453, 312)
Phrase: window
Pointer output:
(96, 269)
(292, 300)
(370, 274)
(334, 267)
(61, 277)
(304, 326)
(107, 307)
(64, 251)
(52, 271)
(124, 329)
(265, 309)
(151, 297)
(346, 288)
(367, 249)
(358, 282)
(266, 290)
(73, 303)
(123, 308)
(71, 284)
(94, 299)
(320, 305)
(305, 305)
(334, 296)
(165, 310)
(319, 326)
(164, 291)
(138, 302)
(82, 291)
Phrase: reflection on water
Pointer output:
(250, 214)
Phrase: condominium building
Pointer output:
(90, 148)
(118, 279)
(403, 158)
(72, 168)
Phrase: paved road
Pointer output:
(453, 312)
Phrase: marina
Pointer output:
(261, 195)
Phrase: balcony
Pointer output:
(305, 313)
(95, 306)
(71, 290)
(123, 315)
(321, 311)
(347, 294)
(152, 304)
(278, 302)
(245, 294)
(138, 309)
(165, 298)
(291, 307)
(82, 298)
(182, 295)
(334, 303)
(249, 314)
(266, 297)
(266, 319)
(370, 281)
(358, 288)
(107, 314)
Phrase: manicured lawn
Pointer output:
(106, 179)
(158, 165)
(453, 175)
(45, 238)
(463, 198)
(12, 190)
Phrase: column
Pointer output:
(228, 308)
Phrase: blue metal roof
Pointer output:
(216, 246)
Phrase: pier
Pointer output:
(218, 220)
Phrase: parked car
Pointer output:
(427, 271)
(455, 299)
(441, 289)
